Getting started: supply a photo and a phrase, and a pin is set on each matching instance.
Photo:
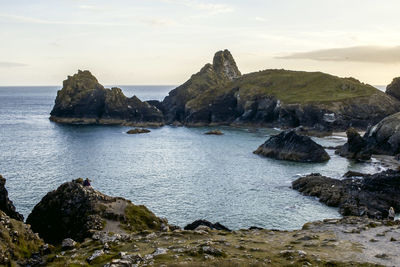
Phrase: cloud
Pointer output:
(370, 54)
(6, 64)
(91, 8)
(260, 19)
(210, 8)
(157, 22)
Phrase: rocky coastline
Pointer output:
(219, 94)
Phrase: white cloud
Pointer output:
(260, 19)
(6, 64)
(370, 54)
(210, 8)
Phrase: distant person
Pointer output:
(391, 214)
(86, 182)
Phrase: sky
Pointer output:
(165, 41)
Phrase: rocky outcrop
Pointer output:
(76, 211)
(214, 132)
(212, 226)
(315, 100)
(220, 73)
(18, 243)
(6, 204)
(138, 131)
(84, 100)
(357, 194)
(393, 89)
(290, 146)
(355, 148)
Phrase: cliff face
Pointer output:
(84, 100)
(219, 94)
(6, 204)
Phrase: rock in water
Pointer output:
(372, 195)
(355, 148)
(384, 137)
(214, 132)
(138, 131)
(289, 146)
(84, 100)
(6, 204)
(75, 211)
(393, 89)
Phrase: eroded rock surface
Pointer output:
(290, 146)
(357, 194)
(355, 147)
(84, 100)
(76, 211)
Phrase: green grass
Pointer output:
(290, 87)
(139, 218)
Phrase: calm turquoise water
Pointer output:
(179, 173)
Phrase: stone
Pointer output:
(214, 226)
(214, 132)
(95, 255)
(68, 243)
(138, 131)
(290, 146)
(355, 148)
(393, 89)
(6, 205)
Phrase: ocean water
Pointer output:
(177, 172)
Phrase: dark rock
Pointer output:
(75, 211)
(138, 131)
(384, 137)
(290, 146)
(213, 226)
(355, 148)
(6, 204)
(393, 89)
(371, 195)
(84, 100)
(214, 132)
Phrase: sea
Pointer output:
(177, 172)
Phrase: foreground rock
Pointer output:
(393, 88)
(138, 131)
(17, 242)
(290, 146)
(213, 226)
(76, 211)
(355, 148)
(336, 242)
(84, 100)
(6, 204)
(219, 94)
(357, 194)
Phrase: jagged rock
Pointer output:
(6, 204)
(17, 242)
(393, 89)
(68, 243)
(214, 132)
(355, 148)
(290, 146)
(84, 100)
(220, 73)
(95, 255)
(138, 131)
(214, 226)
(75, 211)
(372, 195)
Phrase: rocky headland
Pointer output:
(288, 145)
(83, 100)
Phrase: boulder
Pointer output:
(213, 226)
(290, 146)
(138, 131)
(84, 100)
(76, 211)
(6, 204)
(393, 89)
(384, 137)
(355, 148)
(361, 194)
